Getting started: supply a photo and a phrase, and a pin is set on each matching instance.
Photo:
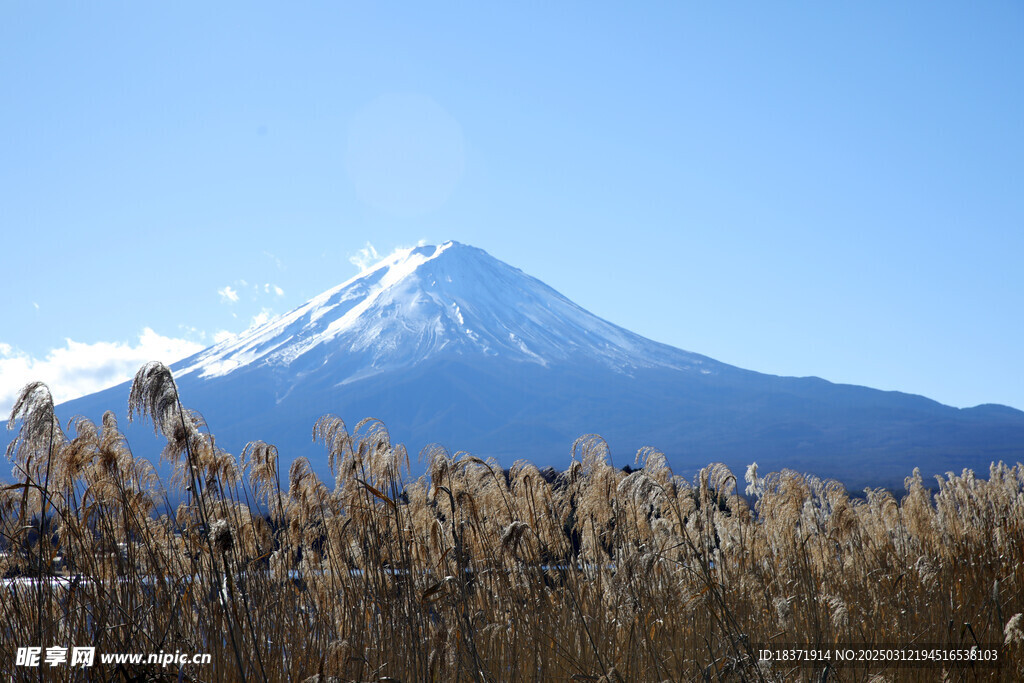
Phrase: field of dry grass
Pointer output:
(478, 574)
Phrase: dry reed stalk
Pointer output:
(473, 573)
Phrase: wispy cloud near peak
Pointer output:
(228, 295)
(365, 257)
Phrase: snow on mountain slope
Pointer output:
(449, 345)
(431, 300)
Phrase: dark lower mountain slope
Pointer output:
(447, 344)
(861, 436)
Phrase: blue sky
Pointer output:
(797, 188)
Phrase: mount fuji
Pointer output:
(446, 344)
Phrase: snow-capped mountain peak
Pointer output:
(425, 301)
(448, 345)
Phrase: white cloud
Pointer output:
(278, 291)
(78, 369)
(270, 287)
(365, 257)
(227, 294)
(369, 256)
(263, 316)
(35, 305)
(222, 335)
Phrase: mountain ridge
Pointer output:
(415, 303)
(448, 344)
